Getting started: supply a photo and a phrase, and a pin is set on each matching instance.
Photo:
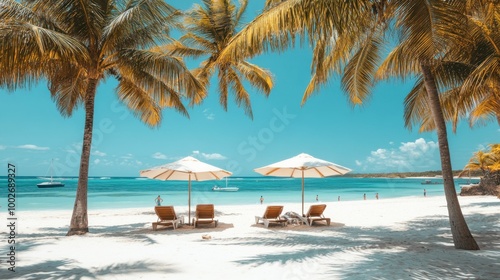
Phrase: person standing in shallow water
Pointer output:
(261, 199)
(158, 201)
(425, 193)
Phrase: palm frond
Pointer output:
(68, 87)
(25, 50)
(198, 42)
(258, 77)
(359, 71)
(139, 101)
(416, 106)
(177, 48)
(241, 95)
(167, 69)
(223, 83)
(398, 64)
(87, 17)
(241, 11)
(139, 24)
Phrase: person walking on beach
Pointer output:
(158, 200)
(364, 196)
(425, 193)
(261, 199)
(376, 196)
(317, 199)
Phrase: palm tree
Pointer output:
(488, 162)
(348, 37)
(210, 28)
(75, 45)
(481, 160)
(468, 77)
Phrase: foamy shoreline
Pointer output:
(403, 238)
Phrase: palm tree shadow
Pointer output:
(56, 269)
(382, 251)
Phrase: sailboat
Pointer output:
(225, 189)
(51, 183)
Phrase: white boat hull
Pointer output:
(226, 189)
(50, 185)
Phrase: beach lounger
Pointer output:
(205, 214)
(167, 217)
(315, 214)
(272, 215)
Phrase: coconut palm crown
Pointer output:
(468, 75)
(210, 28)
(76, 45)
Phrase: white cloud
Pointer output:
(208, 115)
(75, 148)
(33, 147)
(2, 147)
(127, 156)
(159, 155)
(418, 148)
(97, 161)
(98, 153)
(214, 156)
(409, 156)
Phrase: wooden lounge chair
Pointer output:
(272, 215)
(205, 214)
(167, 217)
(315, 214)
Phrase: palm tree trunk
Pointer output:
(79, 220)
(462, 238)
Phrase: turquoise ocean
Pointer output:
(126, 192)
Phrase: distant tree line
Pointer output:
(434, 173)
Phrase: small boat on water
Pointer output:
(51, 183)
(429, 182)
(225, 189)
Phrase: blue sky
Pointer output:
(366, 139)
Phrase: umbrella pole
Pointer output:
(189, 200)
(302, 193)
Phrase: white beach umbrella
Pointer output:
(303, 166)
(186, 169)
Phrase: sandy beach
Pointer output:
(403, 238)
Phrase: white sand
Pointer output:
(404, 238)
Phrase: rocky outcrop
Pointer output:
(487, 186)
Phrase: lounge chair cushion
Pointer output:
(272, 216)
(315, 214)
(167, 217)
(205, 214)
